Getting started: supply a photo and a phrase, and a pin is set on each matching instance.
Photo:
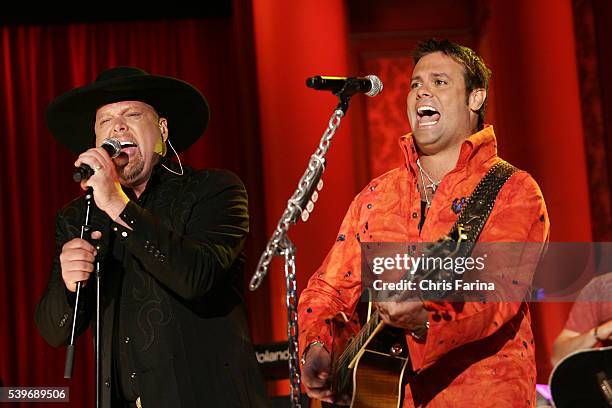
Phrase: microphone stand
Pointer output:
(98, 334)
(301, 204)
(69, 364)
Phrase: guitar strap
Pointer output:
(461, 239)
(476, 211)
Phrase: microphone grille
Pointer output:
(377, 85)
(112, 146)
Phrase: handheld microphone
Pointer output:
(370, 85)
(112, 147)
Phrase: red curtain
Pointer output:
(39, 63)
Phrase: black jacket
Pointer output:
(174, 324)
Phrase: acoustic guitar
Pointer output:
(583, 379)
(368, 371)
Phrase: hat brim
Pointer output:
(71, 116)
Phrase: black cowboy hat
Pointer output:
(71, 116)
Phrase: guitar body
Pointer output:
(583, 379)
(377, 381)
(371, 376)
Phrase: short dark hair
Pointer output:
(476, 72)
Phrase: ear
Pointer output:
(477, 99)
(163, 128)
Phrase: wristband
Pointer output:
(312, 343)
(595, 334)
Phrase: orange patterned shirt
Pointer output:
(475, 354)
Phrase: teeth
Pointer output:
(127, 144)
(422, 115)
(426, 108)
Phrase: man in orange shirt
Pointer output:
(480, 354)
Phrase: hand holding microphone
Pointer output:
(108, 193)
(112, 147)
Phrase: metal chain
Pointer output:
(315, 163)
(280, 244)
(292, 326)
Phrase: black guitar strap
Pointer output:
(475, 213)
(462, 237)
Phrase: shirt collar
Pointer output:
(477, 148)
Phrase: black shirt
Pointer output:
(174, 324)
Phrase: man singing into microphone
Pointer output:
(470, 354)
(170, 240)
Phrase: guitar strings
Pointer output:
(341, 372)
(357, 343)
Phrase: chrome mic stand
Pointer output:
(301, 204)
(69, 364)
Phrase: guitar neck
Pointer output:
(361, 339)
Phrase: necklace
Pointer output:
(433, 184)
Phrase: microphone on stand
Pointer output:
(112, 147)
(370, 85)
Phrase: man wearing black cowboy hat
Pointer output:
(174, 325)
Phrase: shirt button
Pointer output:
(133, 376)
(414, 215)
(124, 234)
(115, 229)
(126, 340)
(107, 382)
